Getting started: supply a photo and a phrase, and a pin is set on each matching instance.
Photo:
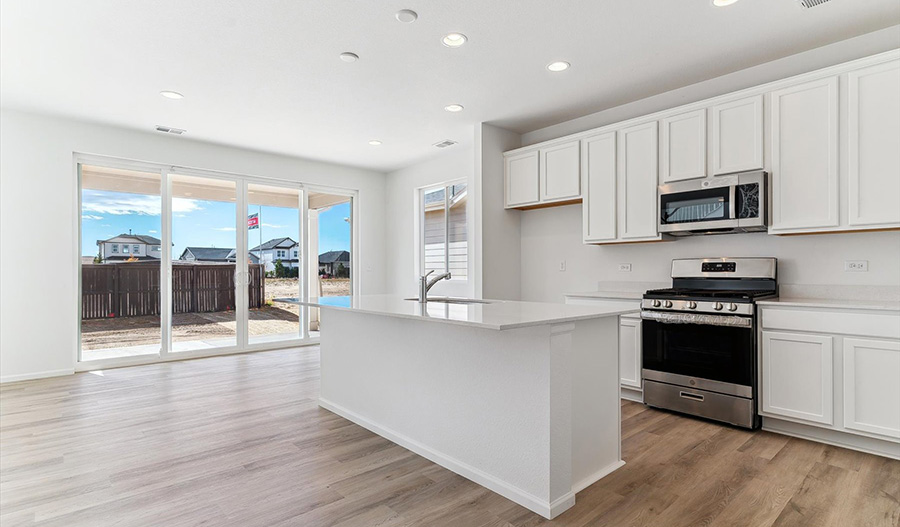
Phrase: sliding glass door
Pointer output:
(183, 262)
(275, 262)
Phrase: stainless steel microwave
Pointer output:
(714, 205)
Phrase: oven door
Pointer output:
(710, 352)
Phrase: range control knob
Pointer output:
(656, 303)
(718, 306)
(668, 303)
(732, 307)
(692, 305)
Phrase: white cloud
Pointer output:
(100, 203)
(152, 232)
(271, 226)
(91, 217)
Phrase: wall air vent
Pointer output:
(806, 4)
(169, 130)
(445, 143)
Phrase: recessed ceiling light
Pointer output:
(454, 40)
(407, 16)
(454, 108)
(349, 57)
(168, 94)
(374, 142)
(723, 3)
(560, 65)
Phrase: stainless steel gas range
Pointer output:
(699, 338)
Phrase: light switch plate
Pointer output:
(859, 266)
(625, 268)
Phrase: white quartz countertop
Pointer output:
(834, 303)
(498, 314)
(620, 290)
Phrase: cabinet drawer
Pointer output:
(835, 322)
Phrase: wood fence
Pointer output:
(131, 289)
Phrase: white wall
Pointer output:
(499, 273)
(38, 303)
(552, 235)
(400, 212)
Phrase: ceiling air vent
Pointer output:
(806, 4)
(169, 130)
(445, 143)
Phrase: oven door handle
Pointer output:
(733, 321)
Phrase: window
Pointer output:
(154, 248)
(137, 249)
(295, 254)
(115, 247)
(124, 248)
(444, 236)
(279, 254)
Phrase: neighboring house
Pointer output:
(330, 262)
(212, 254)
(284, 249)
(128, 246)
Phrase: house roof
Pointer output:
(214, 254)
(122, 257)
(334, 257)
(280, 243)
(143, 238)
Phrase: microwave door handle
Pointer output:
(732, 192)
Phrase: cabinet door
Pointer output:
(797, 376)
(683, 147)
(598, 158)
(637, 181)
(804, 156)
(630, 352)
(873, 131)
(737, 136)
(561, 172)
(522, 181)
(872, 386)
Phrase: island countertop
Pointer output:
(493, 314)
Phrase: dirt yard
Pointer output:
(274, 318)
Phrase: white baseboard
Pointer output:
(36, 375)
(597, 476)
(869, 445)
(545, 508)
(631, 394)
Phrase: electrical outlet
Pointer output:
(859, 266)
(562, 265)
(625, 268)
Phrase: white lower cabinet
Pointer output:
(630, 351)
(798, 376)
(832, 374)
(872, 386)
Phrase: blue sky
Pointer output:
(198, 223)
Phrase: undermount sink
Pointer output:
(453, 300)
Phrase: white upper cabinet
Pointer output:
(737, 135)
(598, 155)
(873, 150)
(871, 387)
(683, 147)
(637, 182)
(561, 172)
(805, 183)
(522, 179)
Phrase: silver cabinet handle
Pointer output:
(692, 396)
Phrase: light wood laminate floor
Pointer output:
(239, 441)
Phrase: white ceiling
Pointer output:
(266, 74)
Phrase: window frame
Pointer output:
(420, 235)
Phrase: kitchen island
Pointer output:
(519, 397)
